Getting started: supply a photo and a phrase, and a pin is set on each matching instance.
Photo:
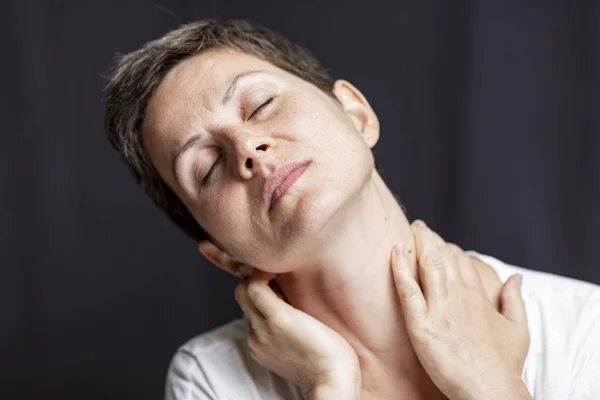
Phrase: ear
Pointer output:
(358, 108)
(222, 260)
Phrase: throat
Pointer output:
(407, 385)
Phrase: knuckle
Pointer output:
(251, 350)
(264, 337)
(258, 338)
(307, 385)
(429, 333)
(414, 224)
(454, 248)
(409, 292)
(423, 334)
(252, 341)
(253, 291)
(433, 262)
(279, 323)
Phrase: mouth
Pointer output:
(278, 184)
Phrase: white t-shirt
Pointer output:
(563, 362)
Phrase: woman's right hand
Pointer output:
(295, 345)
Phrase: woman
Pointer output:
(247, 143)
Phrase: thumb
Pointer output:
(513, 306)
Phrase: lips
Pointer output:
(282, 180)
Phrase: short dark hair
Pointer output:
(136, 76)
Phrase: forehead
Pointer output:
(193, 88)
(199, 81)
(190, 94)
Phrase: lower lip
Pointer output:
(286, 185)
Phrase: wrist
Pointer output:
(328, 392)
(346, 386)
(514, 391)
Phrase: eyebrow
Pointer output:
(188, 143)
(234, 84)
(226, 98)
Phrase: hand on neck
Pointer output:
(350, 287)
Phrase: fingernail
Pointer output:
(420, 223)
(399, 250)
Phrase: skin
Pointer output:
(469, 348)
(340, 201)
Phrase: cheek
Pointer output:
(307, 119)
(336, 143)
(327, 128)
(219, 212)
(226, 215)
(323, 132)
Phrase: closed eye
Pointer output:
(206, 179)
(260, 108)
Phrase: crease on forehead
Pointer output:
(175, 107)
(192, 88)
(185, 88)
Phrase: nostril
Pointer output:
(249, 163)
(262, 147)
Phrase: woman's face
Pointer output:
(222, 123)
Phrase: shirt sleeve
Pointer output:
(586, 364)
(186, 380)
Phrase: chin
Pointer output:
(304, 226)
(309, 216)
(314, 211)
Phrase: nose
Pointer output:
(254, 152)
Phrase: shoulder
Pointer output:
(217, 365)
(564, 322)
(192, 370)
(543, 285)
(552, 300)
(219, 339)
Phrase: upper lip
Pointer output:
(278, 177)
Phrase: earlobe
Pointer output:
(211, 252)
(222, 260)
(359, 109)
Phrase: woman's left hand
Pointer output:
(468, 348)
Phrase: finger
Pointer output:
(512, 303)
(412, 299)
(437, 239)
(450, 265)
(466, 268)
(265, 299)
(469, 272)
(256, 341)
(431, 264)
(250, 311)
(253, 343)
(454, 248)
(259, 278)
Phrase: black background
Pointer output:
(490, 115)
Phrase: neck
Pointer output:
(350, 288)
